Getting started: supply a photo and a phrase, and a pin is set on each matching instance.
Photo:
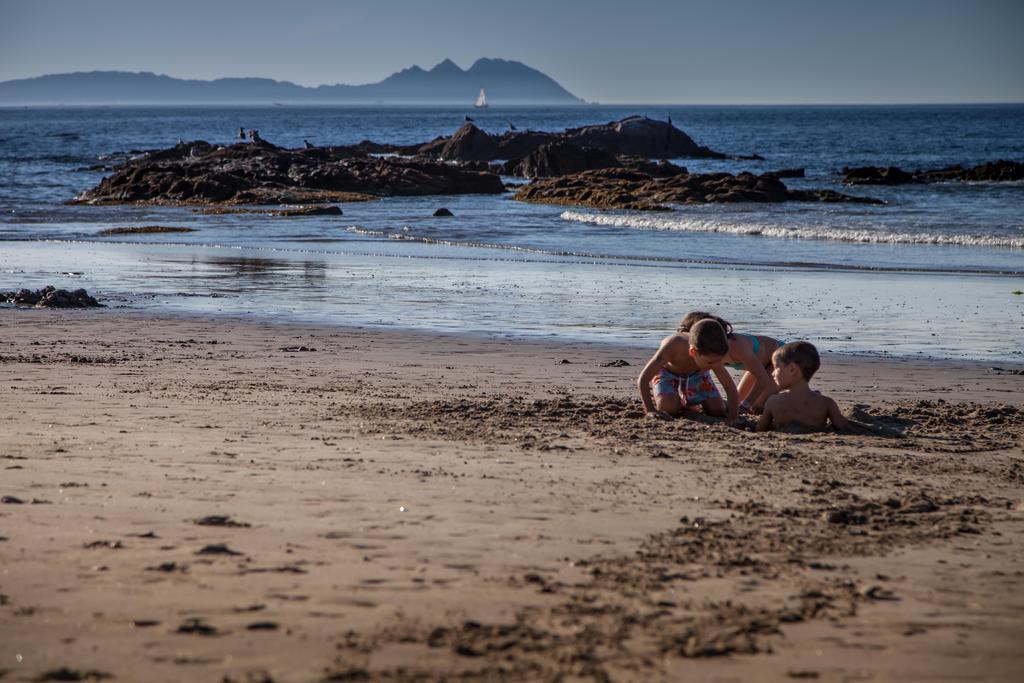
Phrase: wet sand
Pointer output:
(208, 500)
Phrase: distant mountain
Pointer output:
(506, 82)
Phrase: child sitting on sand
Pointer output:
(795, 364)
(679, 374)
(749, 352)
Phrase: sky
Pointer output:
(636, 51)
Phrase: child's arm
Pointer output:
(732, 396)
(643, 382)
(743, 352)
(835, 416)
(767, 417)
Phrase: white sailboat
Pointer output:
(481, 100)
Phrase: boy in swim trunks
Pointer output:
(795, 363)
(751, 353)
(679, 374)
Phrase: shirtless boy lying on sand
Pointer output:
(795, 363)
(679, 374)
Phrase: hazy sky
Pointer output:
(635, 51)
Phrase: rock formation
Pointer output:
(555, 159)
(51, 297)
(262, 173)
(871, 175)
(785, 173)
(635, 135)
(993, 171)
(562, 158)
(633, 189)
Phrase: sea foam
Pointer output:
(778, 231)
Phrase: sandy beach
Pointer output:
(206, 500)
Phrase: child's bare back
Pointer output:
(806, 407)
(797, 403)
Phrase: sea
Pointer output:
(935, 272)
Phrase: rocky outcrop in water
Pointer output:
(993, 171)
(632, 189)
(51, 297)
(262, 173)
(143, 230)
(872, 175)
(635, 135)
(785, 173)
(564, 158)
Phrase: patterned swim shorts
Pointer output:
(691, 389)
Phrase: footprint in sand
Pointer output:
(221, 520)
(66, 674)
(109, 545)
(198, 627)
(217, 549)
(262, 626)
(143, 623)
(168, 567)
(249, 608)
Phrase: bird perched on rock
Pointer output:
(468, 118)
(510, 125)
(241, 133)
(308, 144)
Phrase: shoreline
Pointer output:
(962, 368)
(908, 315)
(385, 504)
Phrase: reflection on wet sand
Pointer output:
(263, 270)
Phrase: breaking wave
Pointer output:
(782, 232)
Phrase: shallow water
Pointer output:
(930, 273)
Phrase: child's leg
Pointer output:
(668, 403)
(665, 389)
(701, 390)
(714, 407)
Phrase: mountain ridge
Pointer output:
(506, 82)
